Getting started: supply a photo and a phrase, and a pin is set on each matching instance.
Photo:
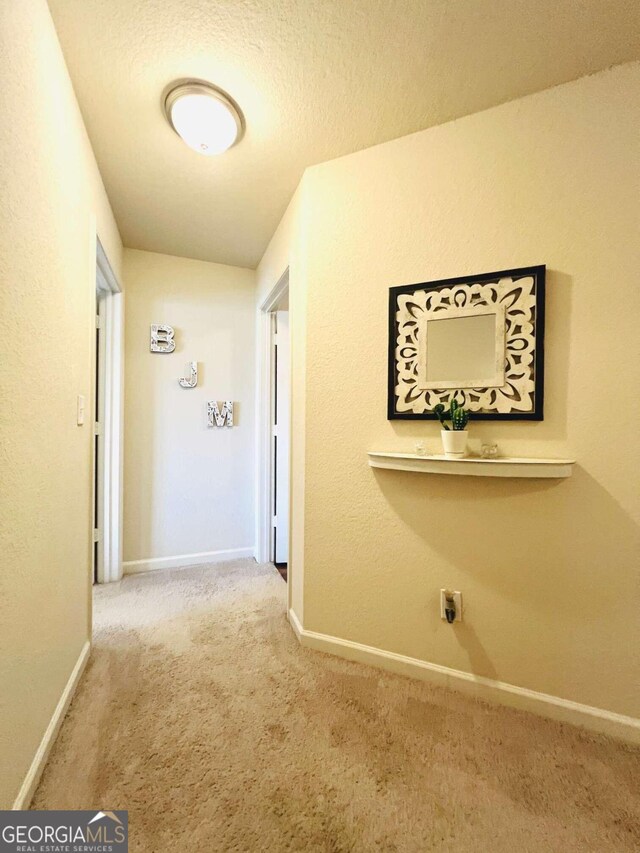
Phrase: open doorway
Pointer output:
(107, 424)
(273, 511)
(280, 449)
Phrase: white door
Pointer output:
(98, 423)
(107, 424)
(281, 442)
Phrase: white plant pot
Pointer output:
(454, 442)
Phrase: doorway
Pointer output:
(280, 448)
(98, 444)
(107, 424)
(274, 429)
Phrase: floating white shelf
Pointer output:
(473, 466)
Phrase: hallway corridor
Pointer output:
(201, 714)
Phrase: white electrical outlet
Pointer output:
(457, 603)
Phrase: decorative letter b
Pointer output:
(162, 338)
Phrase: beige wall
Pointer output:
(50, 192)
(548, 570)
(188, 489)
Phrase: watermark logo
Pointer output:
(64, 832)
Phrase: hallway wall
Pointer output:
(51, 195)
(548, 570)
(189, 489)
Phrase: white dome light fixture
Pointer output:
(206, 118)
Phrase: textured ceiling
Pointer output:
(315, 79)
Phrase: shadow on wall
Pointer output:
(479, 661)
(533, 553)
(558, 313)
(576, 530)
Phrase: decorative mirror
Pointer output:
(478, 338)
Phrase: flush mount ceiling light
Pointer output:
(203, 116)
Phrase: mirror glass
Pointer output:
(462, 350)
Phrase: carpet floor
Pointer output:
(201, 715)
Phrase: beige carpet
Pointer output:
(201, 715)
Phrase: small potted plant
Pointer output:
(454, 438)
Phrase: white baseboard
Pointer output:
(183, 560)
(28, 788)
(298, 630)
(543, 704)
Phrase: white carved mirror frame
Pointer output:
(515, 391)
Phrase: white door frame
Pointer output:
(110, 479)
(264, 514)
(281, 441)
